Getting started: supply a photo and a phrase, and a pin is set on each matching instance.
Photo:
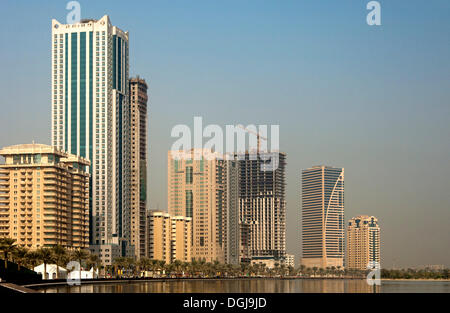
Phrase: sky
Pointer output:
(372, 99)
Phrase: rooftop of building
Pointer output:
(37, 148)
(87, 22)
(30, 148)
(138, 79)
(158, 213)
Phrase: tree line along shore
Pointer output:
(123, 267)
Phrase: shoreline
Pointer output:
(48, 284)
(414, 279)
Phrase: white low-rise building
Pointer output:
(289, 260)
(51, 270)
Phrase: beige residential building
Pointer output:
(159, 235)
(181, 238)
(196, 189)
(138, 173)
(289, 260)
(44, 197)
(168, 237)
(363, 242)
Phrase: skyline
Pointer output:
(367, 138)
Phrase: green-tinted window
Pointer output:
(16, 159)
(37, 159)
(119, 64)
(66, 103)
(91, 92)
(189, 177)
(114, 49)
(82, 97)
(73, 100)
(189, 203)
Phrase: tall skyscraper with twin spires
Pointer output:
(90, 118)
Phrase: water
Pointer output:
(254, 286)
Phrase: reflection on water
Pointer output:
(255, 286)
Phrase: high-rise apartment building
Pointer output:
(181, 238)
(262, 203)
(363, 243)
(197, 189)
(168, 237)
(323, 216)
(159, 236)
(44, 197)
(91, 116)
(232, 228)
(138, 172)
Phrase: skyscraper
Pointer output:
(168, 237)
(90, 117)
(363, 242)
(232, 234)
(159, 236)
(138, 173)
(181, 247)
(263, 205)
(323, 216)
(197, 188)
(44, 197)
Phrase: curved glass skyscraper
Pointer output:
(323, 217)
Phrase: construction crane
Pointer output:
(258, 136)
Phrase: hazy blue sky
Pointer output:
(374, 100)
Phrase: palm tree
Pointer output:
(315, 268)
(32, 258)
(45, 256)
(80, 255)
(143, 264)
(203, 267)
(177, 266)
(283, 269)
(94, 262)
(333, 271)
(245, 269)
(216, 268)
(60, 257)
(130, 264)
(118, 264)
(19, 256)
(154, 266)
(302, 269)
(161, 266)
(7, 246)
(185, 268)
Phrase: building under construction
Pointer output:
(262, 202)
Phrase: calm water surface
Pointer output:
(254, 286)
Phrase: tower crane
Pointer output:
(258, 136)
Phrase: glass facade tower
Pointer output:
(323, 217)
(91, 117)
